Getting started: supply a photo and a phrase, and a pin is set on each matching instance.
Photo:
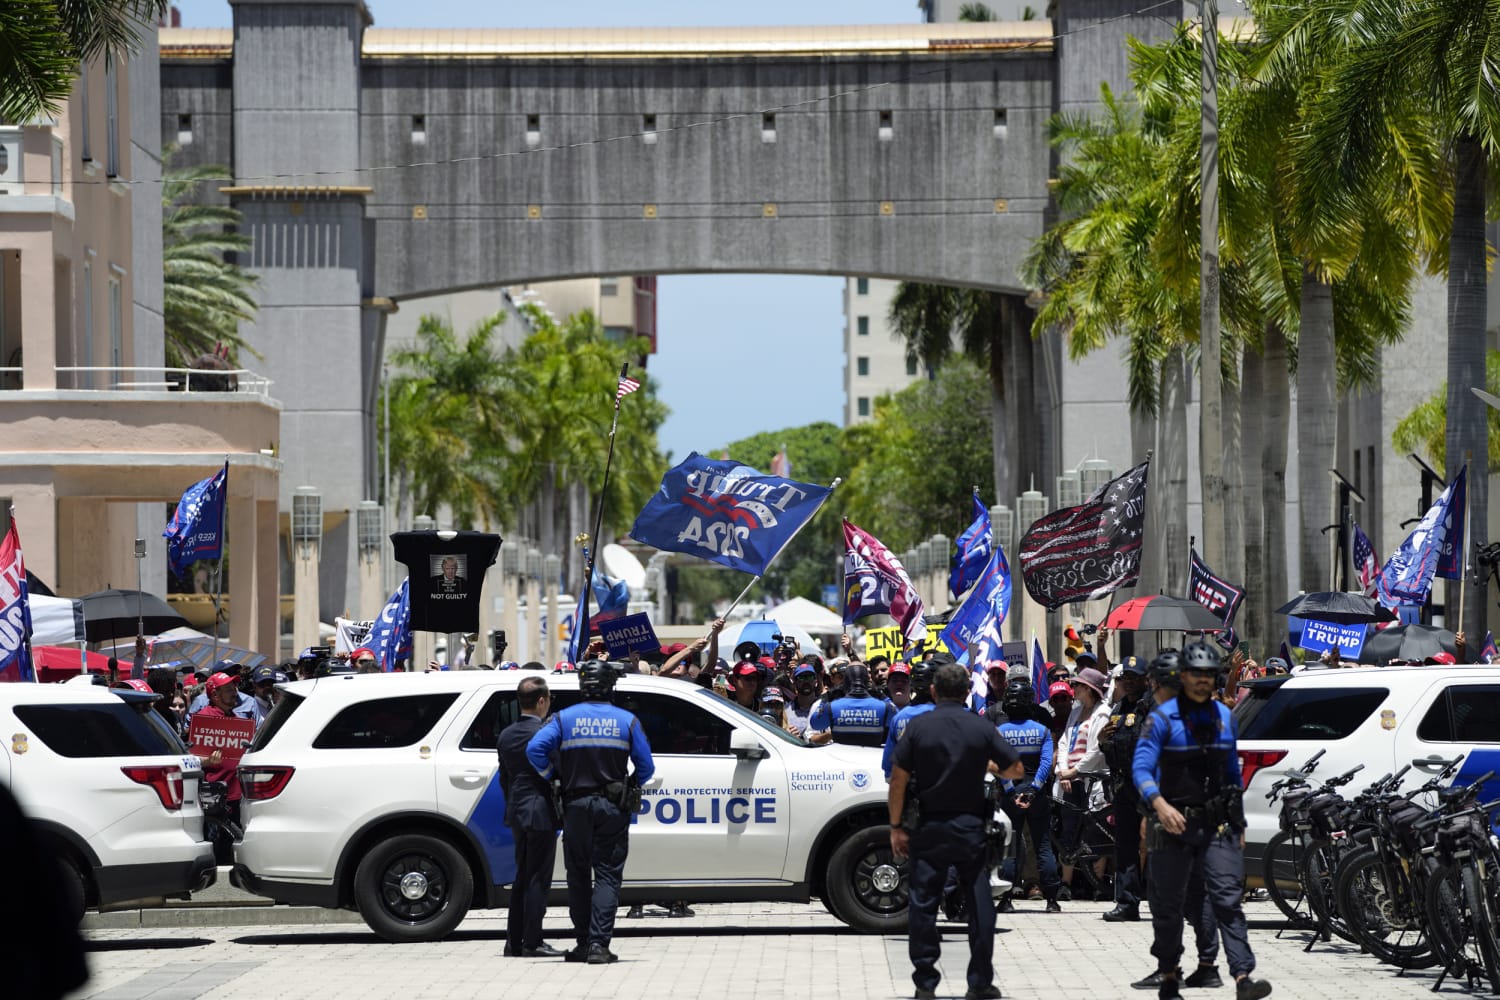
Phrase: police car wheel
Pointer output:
(75, 888)
(413, 887)
(866, 883)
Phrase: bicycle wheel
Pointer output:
(1375, 901)
(1279, 874)
(1482, 924)
(1448, 926)
(1317, 868)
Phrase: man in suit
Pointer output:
(533, 824)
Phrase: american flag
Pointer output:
(1366, 560)
(626, 387)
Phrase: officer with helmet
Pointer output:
(586, 747)
(1029, 806)
(1188, 775)
(858, 718)
(1118, 742)
(921, 703)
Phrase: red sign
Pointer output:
(226, 735)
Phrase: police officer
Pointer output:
(1028, 805)
(590, 744)
(1118, 742)
(1188, 775)
(533, 824)
(946, 752)
(858, 718)
(921, 704)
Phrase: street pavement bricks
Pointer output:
(725, 952)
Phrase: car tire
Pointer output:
(413, 887)
(866, 885)
(75, 886)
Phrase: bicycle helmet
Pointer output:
(1200, 656)
(1166, 669)
(596, 678)
(1019, 698)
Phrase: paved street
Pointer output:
(726, 952)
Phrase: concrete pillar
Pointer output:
(266, 633)
(511, 556)
(243, 527)
(534, 650)
(304, 594)
(551, 573)
(39, 319)
(489, 619)
(35, 509)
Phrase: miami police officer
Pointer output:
(587, 746)
(1028, 804)
(946, 752)
(858, 718)
(1188, 775)
(921, 704)
(533, 824)
(1118, 741)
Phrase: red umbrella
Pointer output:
(58, 663)
(1162, 614)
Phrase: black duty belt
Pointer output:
(581, 794)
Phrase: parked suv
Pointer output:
(111, 789)
(1382, 717)
(354, 784)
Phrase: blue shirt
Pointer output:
(896, 730)
(1033, 741)
(587, 745)
(860, 721)
(1171, 760)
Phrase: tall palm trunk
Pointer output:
(1174, 467)
(1275, 407)
(549, 510)
(1317, 430)
(1143, 432)
(1254, 619)
(1003, 387)
(1467, 419)
(1234, 482)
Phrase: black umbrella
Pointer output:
(1162, 614)
(1337, 607)
(1407, 642)
(113, 614)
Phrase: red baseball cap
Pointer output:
(901, 667)
(747, 668)
(356, 654)
(1060, 687)
(218, 680)
(139, 685)
(1447, 659)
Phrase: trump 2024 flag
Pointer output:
(875, 583)
(1430, 548)
(971, 550)
(197, 527)
(15, 611)
(726, 512)
(979, 617)
(390, 634)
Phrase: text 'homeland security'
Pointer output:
(815, 781)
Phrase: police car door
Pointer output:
(1459, 714)
(708, 815)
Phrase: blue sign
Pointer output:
(631, 634)
(830, 596)
(1319, 637)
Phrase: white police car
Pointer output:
(111, 789)
(381, 793)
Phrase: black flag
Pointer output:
(1080, 553)
(1217, 595)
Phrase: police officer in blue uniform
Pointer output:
(946, 753)
(587, 747)
(1188, 775)
(858, 718)
(1118, 742)
(921, 704)
(1029, 803)
(533, 825)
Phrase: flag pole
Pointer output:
(591, 553)
(757, 577)
(1463, 583)
(219, 562)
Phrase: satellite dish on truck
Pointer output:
(620, 564)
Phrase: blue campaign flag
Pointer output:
(1407, 575)
(979, 617)
(726, 512)
(1038, 671)
(1450, 564)
(390, 636)
(15, 609)
(972, 551)
(612, 598)
(196, 530)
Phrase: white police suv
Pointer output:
(381, 793)
(111, 789)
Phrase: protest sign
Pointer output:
(1319, 637)
(226, 735)
(349, 635)
(886, 641)
(630, 634)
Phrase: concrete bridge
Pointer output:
(377, 165)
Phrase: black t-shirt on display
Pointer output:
(447, 575)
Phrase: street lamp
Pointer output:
(1430, 477)
(1347, 492)
(140, 615)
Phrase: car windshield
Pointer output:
(746, 714)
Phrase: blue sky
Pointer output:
(737, 354)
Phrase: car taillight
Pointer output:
(164, 779)
(1253, 760)
(264, 782)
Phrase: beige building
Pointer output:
(875, 362)
(99, 436)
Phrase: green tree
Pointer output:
(205, 296)
(42, 43)
(1425, 429)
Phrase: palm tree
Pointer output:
(1425, 428)
(204, 295)
(42, 42)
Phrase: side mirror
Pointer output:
(744, 745)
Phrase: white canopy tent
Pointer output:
(801, 613)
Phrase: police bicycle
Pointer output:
(1461, 904)
(1279, 871)
(1089, 838)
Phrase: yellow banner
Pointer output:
(889, 642)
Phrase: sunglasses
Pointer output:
(365, 662)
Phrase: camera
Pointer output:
(786, 646)
(1089, 629)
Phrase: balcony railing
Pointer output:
(12, 161)
(149, 379)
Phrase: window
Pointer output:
(99, 730)
(419, 130)
(863, 326)
(533, 130)
(281, 712)
(863, 406)
(85, 151)
(1465, 713)
(1312, 713)
(609, 286)
(1000, 123)
(886, 127)
(675, 726)
(861, 286)
(768, 127)
(88, 320)
(111, 119)
(862, 366)
(911, 367)
(502, 709)
(648, 129)
(384, 722)
(116, 325)
(184, 130)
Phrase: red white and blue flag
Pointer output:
(1434, 545)
(390, 635)
(196, 530)
(972, 550)
(1487, 652)
(1366, 561)
(977, 620)
(626, 387)
(1038, 671)
(15, 611)
(875, 583)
